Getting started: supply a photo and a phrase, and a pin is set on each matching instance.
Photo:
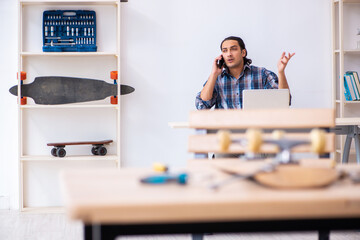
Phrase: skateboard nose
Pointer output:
(14, 90)
(125, 89)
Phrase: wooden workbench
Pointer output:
(110, 202)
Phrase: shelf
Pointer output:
(351, 102)
(347, 121)
(67, 54)
(352, 151)
(36, 121)
(353, 51)
(347, 1)
(69, 106)
(349, 51)
(347, 102)
(344, 16)
(72, 2)
(43, 210)
(68, 158)
(351, 1)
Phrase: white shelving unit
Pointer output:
(40, 124)
(346, 57)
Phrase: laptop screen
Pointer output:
(266, 98)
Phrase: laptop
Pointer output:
(265, 98)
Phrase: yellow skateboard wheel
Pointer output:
(278, 134)
(318, 140)
(254, 138)
(224, 140)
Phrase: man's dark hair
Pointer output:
(242, 46)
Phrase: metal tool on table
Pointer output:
(181, 178)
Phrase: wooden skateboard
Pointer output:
(97, 149)
(283, 176)
(254, 140)
(51, 90)
(283, 171)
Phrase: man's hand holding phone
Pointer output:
(218, 65)
(207, 91)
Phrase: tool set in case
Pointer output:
(69, 31)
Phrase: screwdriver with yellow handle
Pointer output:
(165, 177)
(159, 167)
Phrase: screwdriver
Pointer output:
(165, 178)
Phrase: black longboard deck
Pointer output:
(52, 90)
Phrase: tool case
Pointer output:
(69, 31)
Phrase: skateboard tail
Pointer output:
(125, 89)
(14, 90)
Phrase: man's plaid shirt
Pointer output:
(228, 90)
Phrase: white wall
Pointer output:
(167, 50)
(8, 106)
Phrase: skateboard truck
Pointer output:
(23, 100)
(114, 76)
(98, 149)
(58, 151)
(253, 142)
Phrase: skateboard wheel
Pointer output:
(254, 140)
(23, 100)
(318, 140)
(114, 75)
(22, 75)
(60, 152)
(94, 150)
(101, 151)
(53, 152)
(224, 140)
(277, 134)
(113, 100)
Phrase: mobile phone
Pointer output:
(221, 63)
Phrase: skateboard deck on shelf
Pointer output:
(97, 149)
(52, 90)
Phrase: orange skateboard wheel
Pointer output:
(114, 75)
(113, 100)
(23, 100)
(22, 75)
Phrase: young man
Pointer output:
(226, 83)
